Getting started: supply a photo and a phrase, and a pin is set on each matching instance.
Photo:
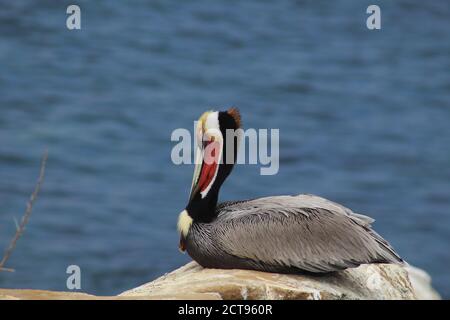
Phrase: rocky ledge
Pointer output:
(375, 281)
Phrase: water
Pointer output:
(363, 118)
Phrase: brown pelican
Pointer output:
(286, 234)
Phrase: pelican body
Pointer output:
(285, 234)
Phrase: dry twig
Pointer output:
(26, 216)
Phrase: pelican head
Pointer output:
(212, 165)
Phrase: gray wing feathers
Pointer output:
(305, 232)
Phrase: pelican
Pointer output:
(283, 234)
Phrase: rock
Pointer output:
(25, 294)
(375, 281)
(192, 282)
(29, 294)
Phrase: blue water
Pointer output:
(363, 118)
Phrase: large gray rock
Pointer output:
(375, 281)
(193, 282)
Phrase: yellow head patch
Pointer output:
(184, 223)
(202, 120)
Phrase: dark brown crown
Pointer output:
(234, 112)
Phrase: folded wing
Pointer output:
(303, 232)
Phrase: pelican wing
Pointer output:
(303, 232)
